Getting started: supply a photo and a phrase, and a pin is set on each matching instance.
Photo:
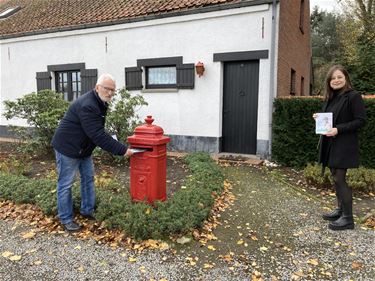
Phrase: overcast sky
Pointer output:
(327, 5)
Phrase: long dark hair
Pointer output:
(328, 91)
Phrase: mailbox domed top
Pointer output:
(148, 133)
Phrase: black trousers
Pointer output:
(343, 191)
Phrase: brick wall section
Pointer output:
(294, 50)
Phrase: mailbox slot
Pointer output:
(146, 148)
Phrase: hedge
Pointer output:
(294, 142)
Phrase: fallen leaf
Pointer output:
(15, 258)
(357, 265)
(313, 261)
(132, 259)
(6, 254)
(212, 248)
(28, 235)
(183, 240)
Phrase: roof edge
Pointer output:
(214, 8)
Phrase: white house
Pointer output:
(252, 51)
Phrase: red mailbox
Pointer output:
(148, 169)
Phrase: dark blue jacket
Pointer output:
(82, 129)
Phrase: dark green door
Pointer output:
(240, 107)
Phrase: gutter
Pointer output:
(272, 74)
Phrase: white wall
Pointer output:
(196, 112)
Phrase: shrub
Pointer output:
(186, 209)
(42, 112)
(361, 179)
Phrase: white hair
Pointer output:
(105, 76)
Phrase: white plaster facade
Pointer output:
(196, 37)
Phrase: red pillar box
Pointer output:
(148, 169)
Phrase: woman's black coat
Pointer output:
(349, 115)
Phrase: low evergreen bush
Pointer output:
(188, 208)
(361, 179)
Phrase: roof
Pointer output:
(42, 16)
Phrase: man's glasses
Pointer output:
(109, 90)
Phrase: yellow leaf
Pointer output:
(148, 211)
(210, 247)
(38, 262)
(163, 279)
(313, 261)
(207, 266)
(6, 254)
(15, 258)
(142, 269)
(28, 235)
(240, 242)
(81, 269)
(77, 248)
(263, 249)
(131, 259)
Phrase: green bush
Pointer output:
(122, 115)
(361, 179)
(42, 112)
(294, 142)
(185, 210)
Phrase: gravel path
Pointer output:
(271, 232)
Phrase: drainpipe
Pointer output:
(272, 73)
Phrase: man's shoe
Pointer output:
(89, 217)
(72, 227)
(342, 223)
(332, 216)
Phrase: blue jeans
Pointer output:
(67, 168)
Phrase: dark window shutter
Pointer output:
(185, 76)
(88, 79)
(43, 81)
(133, 78)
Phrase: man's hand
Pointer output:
(128, 152)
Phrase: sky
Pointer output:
(327, 5)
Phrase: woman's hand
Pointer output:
(332, 132)
(315, 115)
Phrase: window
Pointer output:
(68, 83)
(160, 73)
(292, 82)
(161, 77)
(302, 86)
(8, 12)
(302, 15)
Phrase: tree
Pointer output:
(326, 45)
(357, 34)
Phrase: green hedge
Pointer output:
(185, 210)
(294, 140)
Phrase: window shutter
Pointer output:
(185, 76)
(88, 79)
(43, 81)
(133, 78)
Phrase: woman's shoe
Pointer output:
(332, 216)
(342, 223)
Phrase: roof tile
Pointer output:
(45, 15)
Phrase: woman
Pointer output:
(338, 148)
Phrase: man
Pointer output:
(79, 132)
